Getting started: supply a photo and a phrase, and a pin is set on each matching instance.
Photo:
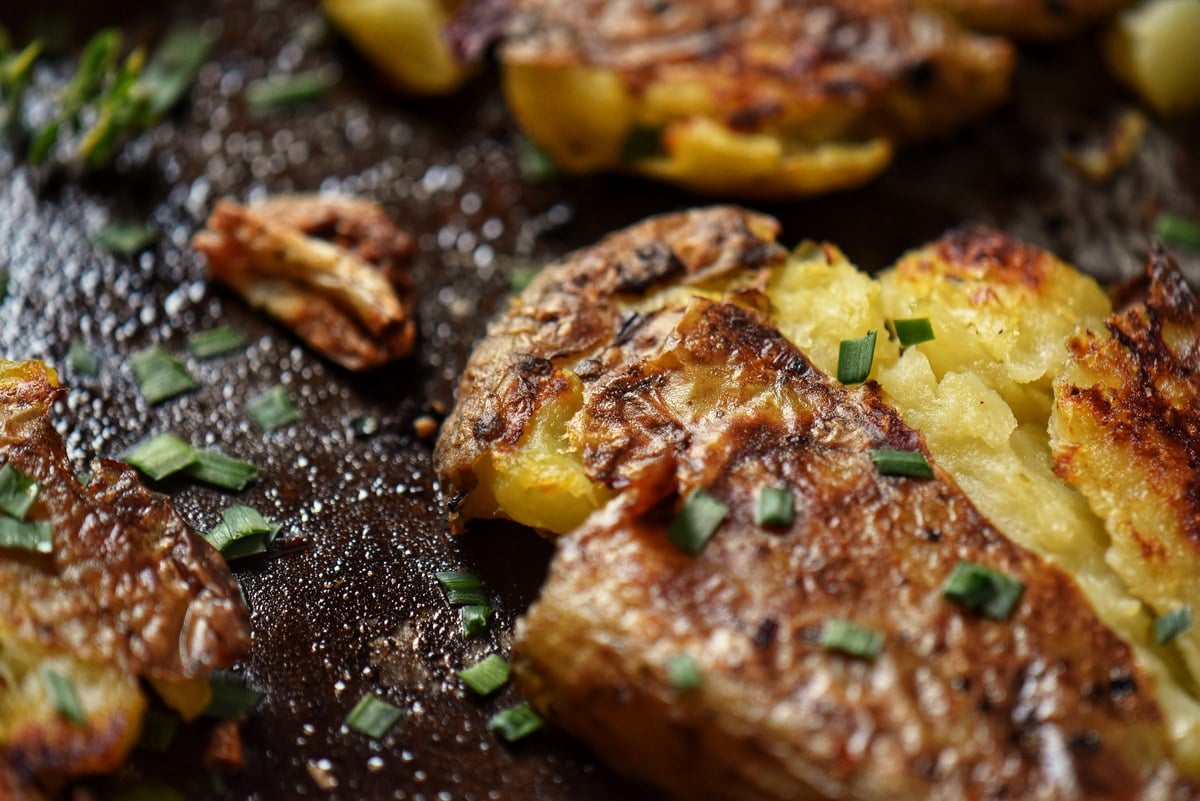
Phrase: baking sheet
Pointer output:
(347, 602)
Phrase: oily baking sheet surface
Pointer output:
(347, 603)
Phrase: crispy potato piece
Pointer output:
(327, 267)
(1033, 20)
(1126, 432)
(128, 592)
(743, 96)
(1155, 49)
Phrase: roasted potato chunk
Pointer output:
(1155, 49)
(328, 267)
(125, 591)
(743, 96)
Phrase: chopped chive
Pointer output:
(850, 638)
(157, 731)
(683, 673)
(521, 278)
(697, 521)
(643, 142)
(272, 409)
(3, 283)
(160, 376)
(18, 492)
(475, 619)
(981, 589)
(173, 67)
(242, 532)
(776, 507)
(287, 90)
(487, 676)
(854, 359)
(462, 589)
(161, 455)
(214, 467)
(515, 723)
(232, 699)
(84, 477)
(215, 342)
(533, 163)
(63, 696)
(373, 716)
(901, 463)
(43, 143)
(913, 331)
(28, 535)
(82, 359)
(1177, 230)
(125, 238)
(1169, 626)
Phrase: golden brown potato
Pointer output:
(743, 96)
(123, 591)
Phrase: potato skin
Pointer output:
(129, 592)
(1049, 704)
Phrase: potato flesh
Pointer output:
(403, 39)
(1155, 48)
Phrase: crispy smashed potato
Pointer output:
(127, 592)
(743, 96)
(330, 268)
(1036, 20)
(556, 419)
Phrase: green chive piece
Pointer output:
(242, 532)
(272, 409)
(462, 589)
(3, 283)
(534, 164)
(125, 238)
(160, 376)
(28, 535)
(173, 67)
(521, 278)
(913, 331)
(214, 467)
(18, 492)
(366, 427)
(158, 730)
(981, 589)
(697, 521)
(63, 696)
(82, 359)
(776, 507)
(161, 455)
(475, 619)
(287, 90)
(1169, 626)
(232, 699)
(643, 142)
(1176, 230)
(486, 676)
(851, 639)
(43, 143)
(683, 673)
(855, 357)
(901, 463)
(373, 716)
(515, 723)
(215, 342)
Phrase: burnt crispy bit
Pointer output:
(956, 705)
(128, 592)
(330, 268)
(1126, 433)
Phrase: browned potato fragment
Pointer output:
(127, 592)
(1126, 432)
(327, 267)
